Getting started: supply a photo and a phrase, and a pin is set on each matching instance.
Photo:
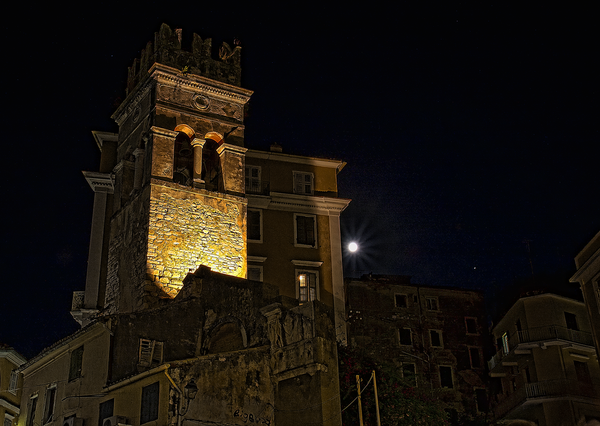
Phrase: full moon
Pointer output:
(352, 247)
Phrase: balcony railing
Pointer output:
(258, 188)
(532, 392)
(542, 334)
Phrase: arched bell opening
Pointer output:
(184, 159)
(211, 163)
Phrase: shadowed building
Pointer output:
(546, 364)
(435, 335)
(173, 331)
(10, 384)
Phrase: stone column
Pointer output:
(198, 144)
(102, 185)
(139, 168)
(232, 167)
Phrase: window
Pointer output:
(305, 230)
(505, 347)
(76, 363)
(8, 419)
(481, 400)
(471, 325)
(405, 336)
(252, 177)
(446, 377)
(431, 303)
(400, 300)
(408, 372)
(255, 225)
(255, 273)
(151, 353)
(571, 320)
(475, 357)
(435, 338)
(106, 410)
(32, 407)
(583, 373)
(307, 285)
(149, 403)
(14, 381)
(303, 183)
(49, 407)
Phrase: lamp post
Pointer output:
(189, 393)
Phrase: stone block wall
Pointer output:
(189, 228)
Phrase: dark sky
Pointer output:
(466, 129)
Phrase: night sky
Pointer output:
(467, 130)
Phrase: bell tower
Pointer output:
(169, 195)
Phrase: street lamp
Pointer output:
(189, 393)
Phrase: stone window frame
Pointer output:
(452, 378)
(296, 243)
(32, 409)
(414, 371)
(300, 182)
(429, 305)
(150, 403)
(405, 300)
(260, 218)
(76, 363)
(467, 319)
(439, 333)
(14, 382)
(8, 419)
(409, 335)
(314, 272)
(251, 263)
(479, 357)
(258, 270)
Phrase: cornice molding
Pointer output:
(4, 403)
(299, 203)
(12, 356)
(298, 159)
(100, 182)
(307, 263)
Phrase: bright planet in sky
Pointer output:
(352, 247)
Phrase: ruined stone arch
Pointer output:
(226, 335)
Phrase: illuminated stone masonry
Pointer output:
(191, 227)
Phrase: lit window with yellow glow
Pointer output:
(307, 286)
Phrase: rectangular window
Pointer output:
(571, 320)
(471, 325)
(49, 407)
(149, 403)
(76, 363)
(255, 273)
(303, 183)
(405, 336)
(583, 373)
(255, 225)
(106, 410)
(305, 230)
(7, 421)
(400, 300)
(252, 178)
(14, 381)
(446, 377)
(481, 399)
(435, 338)
(307, 285)
(31, 411)
(505, 347)
(408, 372)
(431, 303)
(475, 357)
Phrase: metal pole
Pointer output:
(359, 402)
(376, 399)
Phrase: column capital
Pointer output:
(100, 182)
(198, 142)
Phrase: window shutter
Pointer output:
(146, 352)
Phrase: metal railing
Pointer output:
(542, 334)
(259, 188)
(546, 389)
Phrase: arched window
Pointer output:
(184, 160)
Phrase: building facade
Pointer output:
(10, 384)
(176, 328)
(177, 189)
(545, 366)
(587, 263)
(435, 335)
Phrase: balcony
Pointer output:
(257, 187)
(550, 335)
(536, 393)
